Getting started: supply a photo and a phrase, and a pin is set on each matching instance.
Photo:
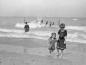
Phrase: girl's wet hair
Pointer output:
(53, 34)
(62, 25)
(25, 22)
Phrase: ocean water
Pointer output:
(12, 27)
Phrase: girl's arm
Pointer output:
(49, 41)
(65, 39)
(65, 35)
(58, 32)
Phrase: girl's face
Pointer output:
(62, 28)
(54, 35)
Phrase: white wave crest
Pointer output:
(75, 19)
(22, 36)
(39, 25)
(32, 25)
(79, 28)
(11, 30)
(16, 31)
(73, 39)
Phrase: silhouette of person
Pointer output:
(46, 22)
(41, 21)
(53, 23)
(52, 40)
(26, 27)
(50, 24)
(61, 45)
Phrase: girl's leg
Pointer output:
(61, 53)
(57, 52)
(62, 47)
(58, 47)
(50, 51)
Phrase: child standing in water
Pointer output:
(52, 41)
(61, 45)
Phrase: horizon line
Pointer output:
(48, 16)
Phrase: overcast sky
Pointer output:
(65, 8)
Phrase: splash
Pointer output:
(79, 28)
(44, 35)
(32, 25)
(75, 19)
(11, 30)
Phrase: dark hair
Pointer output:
(53, 34)
(62, 25)
(25, 22)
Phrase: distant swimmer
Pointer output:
(26, 27)
(50, 24)
(41, 21)
(46, 22)
(53, 23)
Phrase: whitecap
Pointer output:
(11, 30)
(79, 28)
(31, 25)
(75, 19)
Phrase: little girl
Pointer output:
(52, 41)
(61, 45)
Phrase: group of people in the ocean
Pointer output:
(61, 44)
(27, 27)
(46, 23)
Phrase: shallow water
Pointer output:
(13, 27)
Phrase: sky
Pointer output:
(64, 8)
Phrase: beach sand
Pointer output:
(35, 52)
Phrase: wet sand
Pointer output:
(35, 52)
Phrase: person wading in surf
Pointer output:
(26, 27)
(52, 40)
(41, 21)
(61, 45)
(46, 22)
(50, 24)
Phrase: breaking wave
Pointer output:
(44, 35)
(79, 28)
(15, 33)
(32, 25)
(38, 25)
(11, 30)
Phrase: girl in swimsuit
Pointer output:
(61, 45)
